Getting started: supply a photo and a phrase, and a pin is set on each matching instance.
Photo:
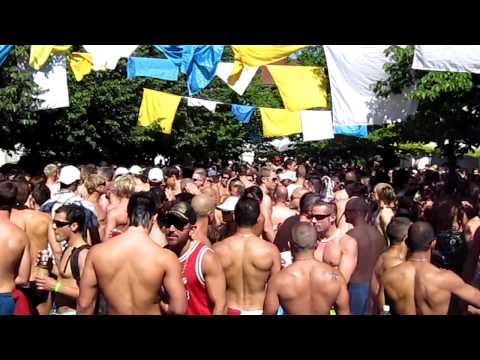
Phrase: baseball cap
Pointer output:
(288, 175)
(229, 204)
(155, 175)
(120, 171)
(212, 172)
(183, 211)
(136, 170)
(69, 174)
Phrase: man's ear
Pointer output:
(433, 244)
(74, 227)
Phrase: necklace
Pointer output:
(419, 260)
(245, 234)
(331, 237)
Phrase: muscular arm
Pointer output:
(88, 288)
(56, 247)
(266, 209)
(277, 261)
(173, 285)
(472, 258)
(74, 291)
(461, 289)
(110, 224)
(374, 291)
(215, 282)
(271, 303)
(25, 265)
(348, 263)
(343, 300)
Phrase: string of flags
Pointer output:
(352, 71)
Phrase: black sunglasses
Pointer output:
(175, 221)
(60, 224)
(319, 217)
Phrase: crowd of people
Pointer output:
(286, 236)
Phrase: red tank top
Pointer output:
(192, 276)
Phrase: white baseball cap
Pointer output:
(288, 175)
(155, 175)
(69, 174)
(228, 204)
(136, 170)
(120, 171)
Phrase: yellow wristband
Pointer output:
(58, 285)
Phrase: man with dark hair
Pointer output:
(308, 286)
(397, 232)
(68, 223)
(202, 272)
(172, 183)
(40, 195)
(130, 269)
(248, 262)
(370, 244)
(419, 287)
(14, 251)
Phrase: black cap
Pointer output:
(184, 212)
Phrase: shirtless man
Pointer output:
(117, 217)
(267, 180)
(130, 270)
(40, 194)
(67, 225)
(14, 251)
(172, 182)
(51, 173)
(308, 286)
(417, 287)
(280, 211)
(370, 244)
(335, 249)
(341, 198)
(95, 186)
(204, 206)
(202, 272)
(295, 198)
(36, 224)
(397, 232)
(385, 196)
(248, 262)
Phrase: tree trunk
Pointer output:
(452, 163)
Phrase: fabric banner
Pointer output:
(301, 87)
(353, 71)
(162, 69)
(4, 51)
(52, 82)
(456, 58)
(107, 56)
(316, 125)
(207, 104)
(224, 70)
(158, 107)
(353, 130)
(39, 54)
(280, 122)
(81, 64)
(242, 113)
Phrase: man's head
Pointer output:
(179, 220)
(290, 164)
(51, 171)
(296, 196)
(107, 172)
(124, 186)
(155, 176)
(235, 187)
(40, 194)
(8, 195)
(323, 216)
(95, 183)
(69, 177)
(247, 211)
(199, 176)
(226, 175)
(268, 178)
(68, 220)
(23, 192)
(172, 175)
(141, 209)
(421, 237)
(356, 208)
(397, 230)
(308, 201)
(304, 238)
(281, 194)
(203, 204)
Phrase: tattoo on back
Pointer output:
(334, 275)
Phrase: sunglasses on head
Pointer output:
(60, 224)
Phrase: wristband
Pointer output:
(58, 285)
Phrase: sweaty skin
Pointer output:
(280, 213)
(130, 270)
(117, 218)
(307, 287)
(248, 263)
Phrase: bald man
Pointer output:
(204, 206)
(281, 210)
(308, 286)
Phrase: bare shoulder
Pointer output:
(165, 254)
(348, 239)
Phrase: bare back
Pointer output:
(280, 213)
(309, 287)
(13, 242)
(130, 269)
(248, 262)
(399, 284)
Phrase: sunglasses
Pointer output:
(274, 179)
(319, 217)
(197, 179)
(175, 221)
(60, 224)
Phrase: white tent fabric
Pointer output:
(456, 58)
(52, 82)
(353, 71)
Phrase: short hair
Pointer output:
(288, 162)
(23, 192)
(308, 201)
(50, 170)
(301, 171)
(397, 229)
(172, 171)
(356, 189)
(159, 197)
(332, 207)
(107, 172)
(247, 212)
(420, 236)
(203, 204)
(140, 209)
(8, 195)
(357, 204)
(236, 187)
(253, 192)
(124, 186)
(93, 181)
(41, 193)
(184, 197)
(304, 237)
(264, 172)
(281, 193)
(86, 170)
(201, 171)
(73, 213)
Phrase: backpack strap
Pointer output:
(74, 262)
